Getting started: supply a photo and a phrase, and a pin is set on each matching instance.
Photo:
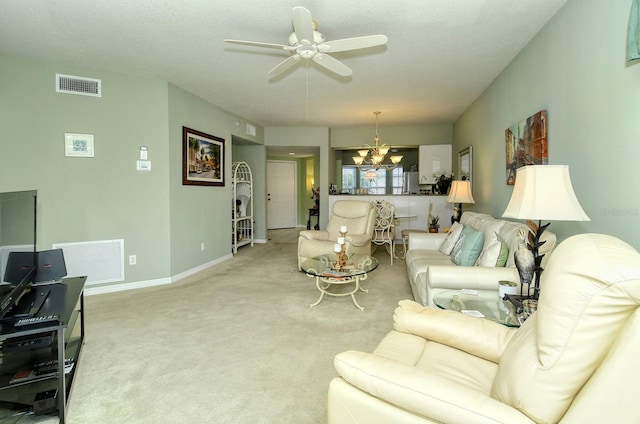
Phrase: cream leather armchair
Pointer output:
(574, 361)
(359, 217)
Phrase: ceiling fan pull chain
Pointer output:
(307, 91)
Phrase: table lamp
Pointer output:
(543, 192)
(460, 192)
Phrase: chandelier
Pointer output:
(376, 155)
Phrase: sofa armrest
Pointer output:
(468, 277)
(480, 337)
(426, 394)
(358, 239)
(314, 234)
(428, 241)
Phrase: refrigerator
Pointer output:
(410, 184)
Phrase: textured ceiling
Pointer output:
(441, 54)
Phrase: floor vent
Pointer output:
(101, 261)
(78, 85)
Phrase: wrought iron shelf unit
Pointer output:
(242, 222)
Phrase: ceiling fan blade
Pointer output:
(354, 43)
(332, 64)
(302, 24)
(259, 44)
(285, 64)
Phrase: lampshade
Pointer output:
(358, 160)
(544, 192)
(460, 192)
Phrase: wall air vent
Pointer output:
(78, 85)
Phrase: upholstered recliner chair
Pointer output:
(573, 361)
(359, 217)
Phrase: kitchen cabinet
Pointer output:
(432, 159)
(412, 212)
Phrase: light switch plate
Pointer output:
(143, 165)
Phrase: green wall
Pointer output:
(201, 214)
(396, 136)
(161, 221)
(575, 69)
(88, 199)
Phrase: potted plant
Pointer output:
(434, 224)
(443, 181)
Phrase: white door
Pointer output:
(281, 194)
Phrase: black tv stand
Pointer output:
(28, 304)
(58, 342)
(35, 299)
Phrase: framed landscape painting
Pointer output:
(202, 158)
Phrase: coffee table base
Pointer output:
(323, 283)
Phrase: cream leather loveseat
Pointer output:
(430, 271)
(574, 361)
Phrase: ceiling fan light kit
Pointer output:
(307, 43)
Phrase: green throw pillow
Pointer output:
(468, 247)
(495, 254)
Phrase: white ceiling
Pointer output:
(441, 54)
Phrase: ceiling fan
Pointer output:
(307, 43)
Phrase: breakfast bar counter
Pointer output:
(411, 211)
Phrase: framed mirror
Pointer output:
(465, 164)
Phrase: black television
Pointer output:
(18, 262)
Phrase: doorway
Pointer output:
(281, 194)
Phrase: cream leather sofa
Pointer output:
(431, 271)
(574, 361)
(359, 217)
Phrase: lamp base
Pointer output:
(535, 243)
(457, 213)
(516, 301)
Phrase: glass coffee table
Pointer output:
(479, 303)
(328, 278)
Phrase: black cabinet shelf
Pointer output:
(58, 342)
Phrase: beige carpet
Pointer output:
(236, 343)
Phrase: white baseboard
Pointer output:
(112, 288)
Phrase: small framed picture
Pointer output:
(78, 145)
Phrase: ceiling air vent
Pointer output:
(78, 85)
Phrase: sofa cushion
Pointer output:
(468, 247)
(454, 234)
(491, 229)
(495, 254)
